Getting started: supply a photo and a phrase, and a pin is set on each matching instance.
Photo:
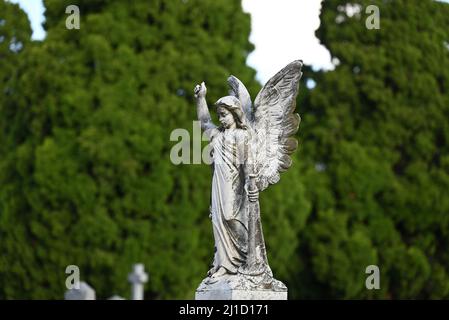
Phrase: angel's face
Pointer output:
(226, 118)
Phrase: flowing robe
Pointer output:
(229, 201)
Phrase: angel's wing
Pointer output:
(275, 123)
(238, 90)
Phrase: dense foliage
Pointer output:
(377, 130)
(85, 170)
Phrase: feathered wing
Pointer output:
(275, 124)
(238, 90)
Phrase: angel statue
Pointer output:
(249, 149)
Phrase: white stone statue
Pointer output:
(249, 150)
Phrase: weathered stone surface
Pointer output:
(240, 295)
(85, 292)
(240, 287)
(249, 148)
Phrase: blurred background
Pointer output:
(85, 122)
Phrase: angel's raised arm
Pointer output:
(202, 109)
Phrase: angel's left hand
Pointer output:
(253, 195)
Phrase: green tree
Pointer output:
(86, 174)
(15, 35)
(375, 153)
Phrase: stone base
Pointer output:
(241, 287)
(240, 295)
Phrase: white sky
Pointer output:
(282, 31)
(35, 11)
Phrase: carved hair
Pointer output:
(232, 104)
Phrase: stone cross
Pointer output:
(137, 279)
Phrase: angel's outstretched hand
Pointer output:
(200, 90)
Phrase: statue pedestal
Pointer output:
(240, 295)
(240, 287)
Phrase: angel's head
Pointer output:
(230, 113)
